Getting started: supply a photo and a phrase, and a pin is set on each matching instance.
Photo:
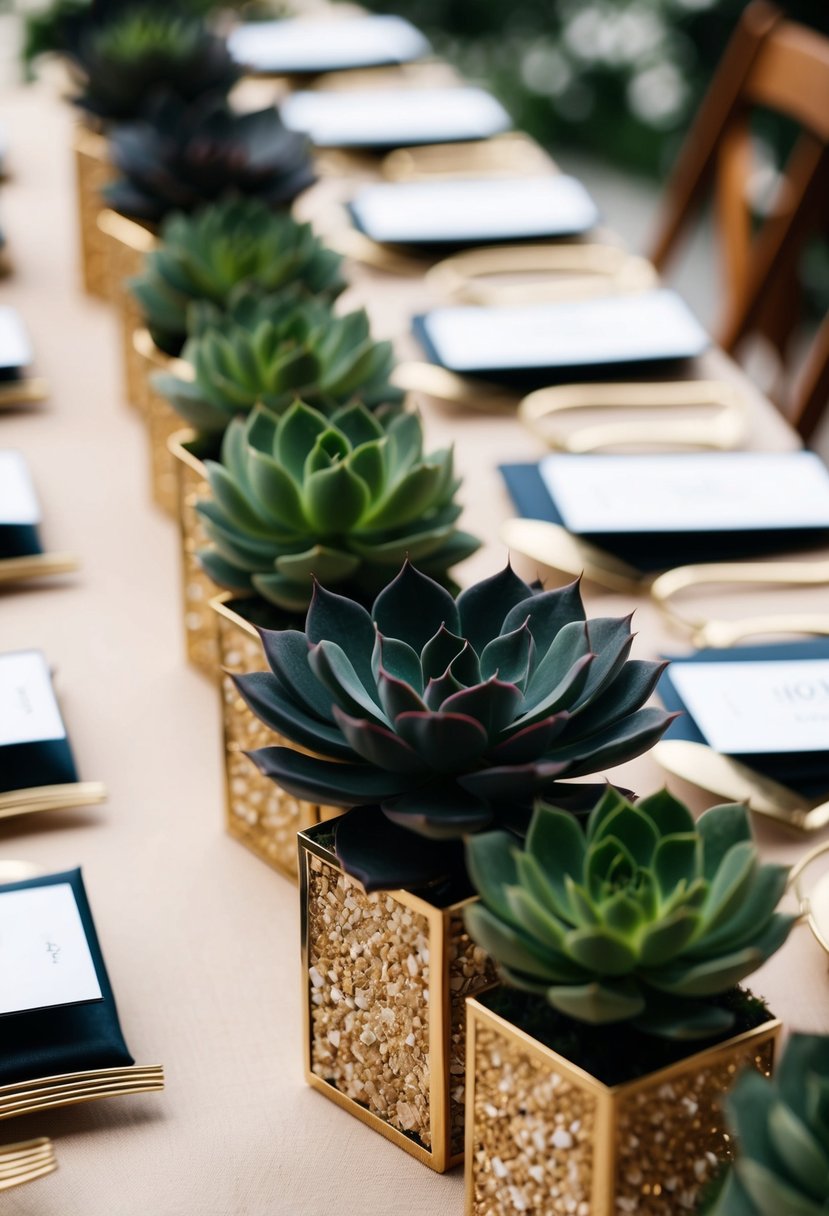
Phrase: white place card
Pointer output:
(758, 708)
(488, 209)
(15, 347)
(326, 45)
(613, 329)
(689, 492)
(29, 711)
(388, 118)
(45, 959)
(18, 501)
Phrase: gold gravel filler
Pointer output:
(534, 1130)
(470, 971)
(93, 171)
(200, 632)
(671, 1138)
(259, 813)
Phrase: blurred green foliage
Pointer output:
(620, 78)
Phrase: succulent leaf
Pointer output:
(629, 906)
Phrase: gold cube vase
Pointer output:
(385, 978)
(201, 639)
(161, 419)
(93, 171)
(259, 813)
(546, 1138)
(125, 244)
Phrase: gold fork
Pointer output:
(23, 392)
(25, 1161)
(36, 565)
(44, 1093)
(52, 798)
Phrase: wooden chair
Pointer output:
(772, 64)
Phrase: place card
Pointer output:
(303, 47)
(29, 711)
(688, 492)
(472, 211)
(767, 707)
(18, 500)
(619, 329)
(45, 959)
(394, 118)
(59, 1012)
(15, 347)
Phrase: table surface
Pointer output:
(201, 938)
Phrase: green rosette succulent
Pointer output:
(233, 243)
(272, 351)
(148, 51)
(643, 916)
(781, 1127)
(447, 712)
(179, 155)
(340, 499)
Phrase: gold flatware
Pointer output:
(26, 1161)
(551, 545)
(23, 392)
(547, 272)
(510, 155)
(70, 1089)
(707, 631)
(722, 424)
(52, 798)
(700, 765)
(443, 385)
(36, 565)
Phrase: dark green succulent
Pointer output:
(271, 351)
(225, 245)
(782, 1131)
(642, 916)
(145, 52)
(340, 499)
(180, 156)
(446, 712)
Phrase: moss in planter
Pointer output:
(618, 1053)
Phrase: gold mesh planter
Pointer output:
(385, 978)
(125, 244)
(200, 623)
(260, 813)
(162, 420)
(544, 1137)
(93, 171)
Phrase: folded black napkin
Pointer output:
(807, 773)
(652, 552)
(68, 1038)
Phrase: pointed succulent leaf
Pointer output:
(439, 652)
(326, 781)
(397, 696)
(533, 918)
(333, 668)
(600, 951)
(320, 562)
(634, 829)
(484, 606)
(676, 858)
(377, 744)
(509, 656)
(721, 827)
(665, 940)
(528, 744)
(336, 618)
(801, 1153)
(413, 607)
(598, 1002)
(398, 659)
(548, 612)
(493, 704)
(262, 698)
(286, 651)
(446, 742)
(670, 816)
(334, 499)
(510, 945)
(438, 813)
(490, 860)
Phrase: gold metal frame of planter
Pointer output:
(558, 272)
(710, 770)
(609, 1099)
(440, 1157)
(197, 589)
(162, 420)
(93, 171)
(250, 797)
(722, 427)
(125, 244)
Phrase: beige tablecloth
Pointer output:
(202, 939)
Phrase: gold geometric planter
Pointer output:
(93, 171)
(125, 245)
(543, 1136)
(161, 419)
(260, 814)
(200, 622)
(386, 976)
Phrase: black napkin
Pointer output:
(68, 1038)
(651, 552)
(807, 773)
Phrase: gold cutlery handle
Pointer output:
(52, 798)
(23, 392)
(512, 154)
(724, 633)
(443, 385)
(36, 565)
